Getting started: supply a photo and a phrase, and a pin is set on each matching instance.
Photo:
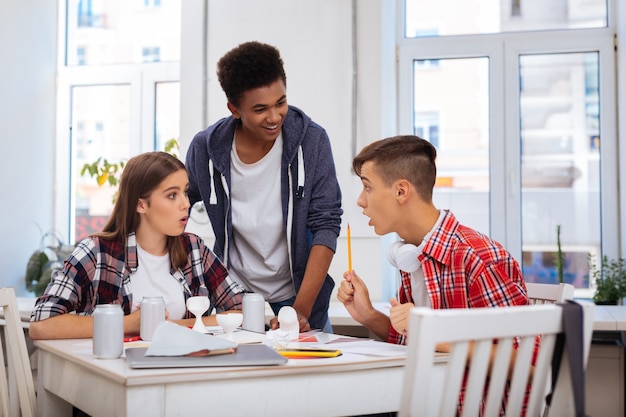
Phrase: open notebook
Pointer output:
(244, 355)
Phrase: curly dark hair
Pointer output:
(250, 65)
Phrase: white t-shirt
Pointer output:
(258, 254)
(152, 279)
(419, 292)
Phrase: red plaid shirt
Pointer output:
(464, 268)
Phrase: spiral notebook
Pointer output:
(244, 355)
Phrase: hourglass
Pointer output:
(198, 305)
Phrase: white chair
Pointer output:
(17, 354)
(549, 293)
(431, 390)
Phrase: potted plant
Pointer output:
(609, 280)
(559, 256)
(44, 261)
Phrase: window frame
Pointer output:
(142, 79)
(503, 51)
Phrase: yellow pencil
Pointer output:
(349, 250)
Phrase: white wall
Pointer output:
(27, 119)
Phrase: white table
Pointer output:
(609, 318)
(606, 318)
(347, 385)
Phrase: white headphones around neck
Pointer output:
(404, 255)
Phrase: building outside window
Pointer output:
(122, 64)
(525, 129)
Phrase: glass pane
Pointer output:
(120, 32)
(433, 18)
(560, 142)
(167, 114)
(101, 128)
(458, 125)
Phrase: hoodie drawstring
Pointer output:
(300, 189)
(212, 193)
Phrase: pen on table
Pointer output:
(132, 339)
(349, 250)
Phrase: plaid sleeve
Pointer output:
(63, 293)
(224, 293)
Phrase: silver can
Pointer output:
(253, 312)
(152, 312)
(108, 331)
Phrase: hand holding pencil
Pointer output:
(349, 250)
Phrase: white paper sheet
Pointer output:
(170, 339)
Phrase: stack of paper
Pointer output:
(170, 339)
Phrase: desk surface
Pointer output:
(606, 318)
(346, 385)
(609, 318)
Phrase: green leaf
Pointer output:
(610, 279)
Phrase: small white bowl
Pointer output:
(229, 321)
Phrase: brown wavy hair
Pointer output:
(141, 176)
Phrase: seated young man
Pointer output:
(443, 263)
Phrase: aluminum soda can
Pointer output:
(253, 309)
(108, 331)
(152, 312)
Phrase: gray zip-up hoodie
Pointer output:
(311, 198)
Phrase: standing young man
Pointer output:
(267, 179)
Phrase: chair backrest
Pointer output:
(432, 385)
(562, 398)
(549, 293)
(17, 354)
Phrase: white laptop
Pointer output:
(244, 355)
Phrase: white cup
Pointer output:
(288, 321)
(253, 309)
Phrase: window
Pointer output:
(151, 54)
(117, 110)
(116, 31)
(80, 56)
(521, 115)
(167, 120)
(451, 106)
(87, 17)
(500, 16)
(427, 126)
(559, 158)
